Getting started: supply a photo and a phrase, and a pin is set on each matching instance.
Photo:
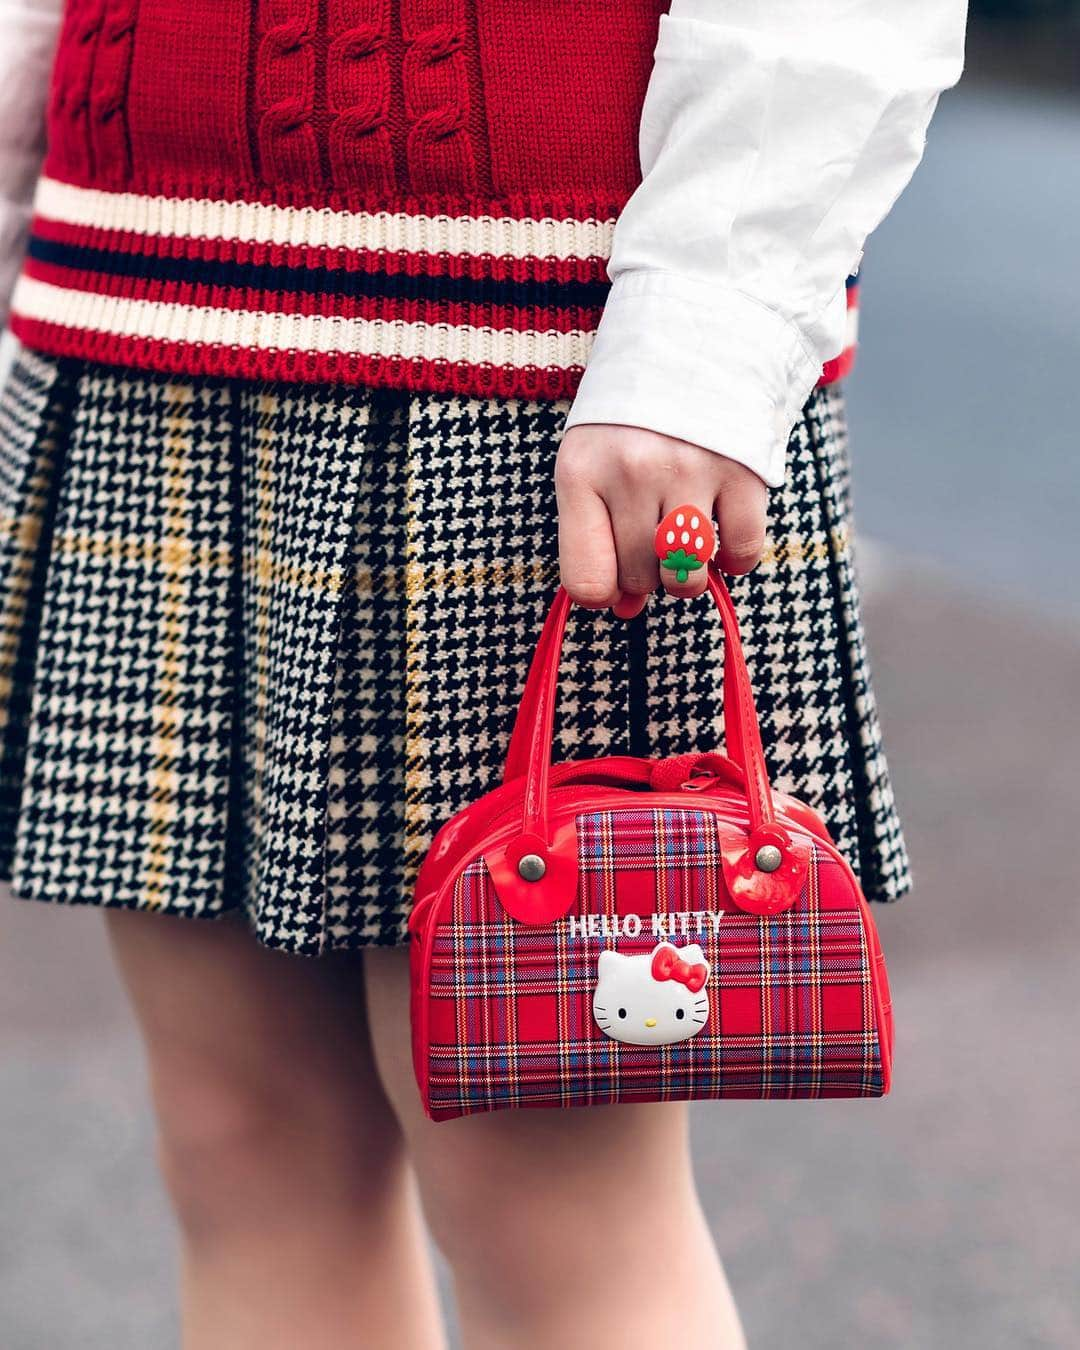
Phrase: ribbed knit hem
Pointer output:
(482, 380)
(459, 295)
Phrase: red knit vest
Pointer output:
(418, 193)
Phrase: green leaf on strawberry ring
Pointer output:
(681, 563)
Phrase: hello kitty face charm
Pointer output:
(656, 999)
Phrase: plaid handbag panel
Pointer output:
(654, 986)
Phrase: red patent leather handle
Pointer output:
(529, 753)
(517, 756)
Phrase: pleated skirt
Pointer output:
(259, 640)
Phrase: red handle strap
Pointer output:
(517, 754)
(535, 874)
(532, 734)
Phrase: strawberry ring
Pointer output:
(685, 541)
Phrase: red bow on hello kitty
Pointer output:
(667, 966)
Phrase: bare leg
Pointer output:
(573, 1228)
(284, 1161)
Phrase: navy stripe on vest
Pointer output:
(555, 295)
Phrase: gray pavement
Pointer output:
(965, 401)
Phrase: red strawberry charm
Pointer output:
(684, 541)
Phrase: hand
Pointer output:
(614, 484)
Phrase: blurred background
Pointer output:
(949, 1215)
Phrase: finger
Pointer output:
(633, 522)
(740, 515)
(629, 606)
(687, 533)
(587, 563)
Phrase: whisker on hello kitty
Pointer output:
(686, 924)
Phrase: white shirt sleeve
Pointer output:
(775, 135)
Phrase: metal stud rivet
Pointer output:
(768, 858)
(532, 867)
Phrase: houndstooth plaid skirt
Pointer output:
(260, 640)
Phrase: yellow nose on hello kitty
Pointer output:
(650, 1021)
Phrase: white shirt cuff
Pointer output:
(708, 365)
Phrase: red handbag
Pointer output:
(624, 929)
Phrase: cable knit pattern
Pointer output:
(112, 66)
(69, 106)
(358, 91)
(420, 194)
(435, 79)
(285, 92)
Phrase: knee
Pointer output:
(243, 1150)
(220, 1143)
(534, 1218)
(513, 1198)
(489, 1228)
